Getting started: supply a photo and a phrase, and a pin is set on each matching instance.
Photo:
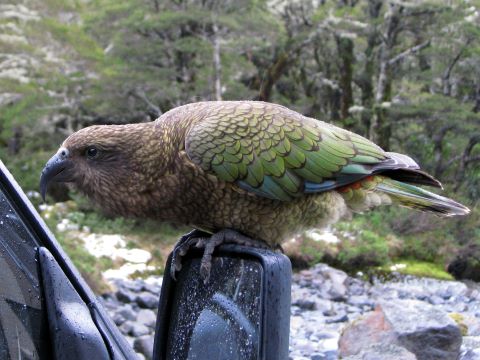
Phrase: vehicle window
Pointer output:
(23, 324)
(208, 322)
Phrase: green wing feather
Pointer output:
(275, 152)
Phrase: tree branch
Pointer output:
(465, 159)
(153, 109)
(282, 62)
(407, 52)
(448, 70)
(217, 64)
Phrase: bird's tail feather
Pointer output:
(418, 198)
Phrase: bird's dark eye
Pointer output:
(91, 152)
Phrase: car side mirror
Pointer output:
(243, 312)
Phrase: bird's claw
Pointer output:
(194, 237)
(226, 236)
(205, 269)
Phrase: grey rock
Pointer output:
(471, 354)
(473, 324)
(472, 342)
(108, 298)
(295, 311)
(152, 288)
(424, 330)
(325, 335)
(459, 307)
(357, 309)
(360, 301)
(337, 319)
(147, 300)
(383, 352)
(328, 344)
(330, 312)
(331, 355)
(303, 346)
(126, 327)
(125, 296)
(305, 304)
(422, 297)
(323, 304)
(146, 317)
(134, 286)
(328, 355)
(329, 282)
(126, 311)
(436, 300)
(139, 330)
(118, 319)
(465, 299)
(144, 345)
(356, 287)
(140, 356)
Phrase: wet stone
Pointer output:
(337, 319)
(147, 300)
(139, 330)
(152, 288)
(125, 296)
(327, 355)
(360, 301)
(305, 304)
(144, 345)
(118, 319)
(126, 328)
(126, 311)
(147, 317)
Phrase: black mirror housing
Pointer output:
(243, 312)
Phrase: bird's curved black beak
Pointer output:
(57, 169)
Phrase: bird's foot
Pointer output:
(198, 239)
(182, 246)
(225, 236)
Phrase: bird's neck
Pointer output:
(170, 131)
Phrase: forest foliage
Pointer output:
(404, 73)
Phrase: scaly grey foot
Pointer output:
(203, 240)
(225, 236)
(182, 247)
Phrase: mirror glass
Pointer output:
(221, 319)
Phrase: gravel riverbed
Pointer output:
(326, 301)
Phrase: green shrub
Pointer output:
(368, 249)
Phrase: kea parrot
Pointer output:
(248, 172)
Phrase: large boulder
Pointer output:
(422, 329)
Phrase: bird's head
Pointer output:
(99, 160)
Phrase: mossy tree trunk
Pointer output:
(346, 59)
